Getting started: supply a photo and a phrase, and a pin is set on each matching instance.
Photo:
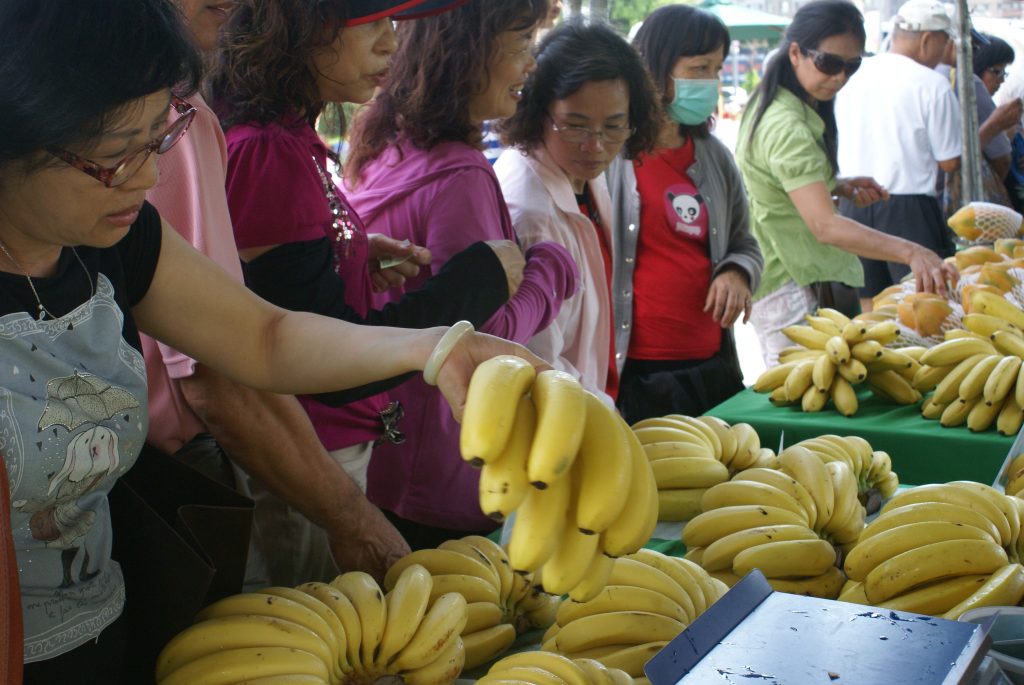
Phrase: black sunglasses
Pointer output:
(830, 64)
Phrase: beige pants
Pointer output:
(785, 307)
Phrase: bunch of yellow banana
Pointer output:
(833, 354)
(940, 550)
(648, 600)
(345, 633)
(976, 374)
(786, 522)
(549, 668)
(872, 468)
(501, 604)
(1015, 477)
(689, 455)
(566, 463)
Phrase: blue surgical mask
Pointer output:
(695, 101)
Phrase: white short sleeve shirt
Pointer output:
(897, 120)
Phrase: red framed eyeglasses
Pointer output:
(130, 165)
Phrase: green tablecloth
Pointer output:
(922, 451)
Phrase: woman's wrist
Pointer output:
(443, 348)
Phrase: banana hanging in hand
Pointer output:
(491, 405)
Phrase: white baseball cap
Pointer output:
(923, 15)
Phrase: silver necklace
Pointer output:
(43, 311)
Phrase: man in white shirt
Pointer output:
(899, 123)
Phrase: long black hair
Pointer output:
(813, 23)
(570, 56)
(675, 31)
(996, 52)
(69, 70)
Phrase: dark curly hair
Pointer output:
(576, 53)
(262, 68)
(440, 66)
(675, 31)
(70, 71)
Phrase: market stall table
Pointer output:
(922, 451)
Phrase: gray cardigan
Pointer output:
(716, 176)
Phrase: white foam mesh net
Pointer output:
(995, 222)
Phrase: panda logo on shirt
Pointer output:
(686, 210)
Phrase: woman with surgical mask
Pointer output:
(686, 263)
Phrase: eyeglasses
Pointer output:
(130, 165)
(997, 71)
(578, 135)
(830, 64)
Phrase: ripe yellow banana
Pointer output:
(927, 378)
(982, 415)
(710, 591)
(441, 671)
(840, 319)
(634, 526)
(690, 577)
(935, 599)
(854, 332)
(484, 645)
(561, 417)
(981, 501)
(807, 468)
(783, 482)
(499, 561)
(929, 511)
(751, 492)
(1008, 343)
(1018, 390)
(491, 404)
(932, 562)
(439, 562)
(838, 350)
(368, 599)
(719, 555)
(1005, 504)
(503, 481)
(867, 554)
(1004, 588)
(847, 520)
(813, 400)
(594, 580)
(786, 558)
(544, 616)
(673, 473)
(597, 674)
(774, 377)
(247, 663)
(704, 529)
(474, 589)
(893, 387)
(825, 586)
(631, 659)
(956, 413)
(884, 332)
(480, 615)
(235, 632)
(604, 467)
(799, 354)
(537, 526)
(798, 380)
(677, 450)
(625, 598)
(723, 431)
(1002, 380)
(974, 383)
(406, 605)
(679, 505)
(710, 435)
(843, 396)
(806, 336)
(932, 410)
(442, 625)
(1010, 417)
(566, 567)
(615, 628)
(561, 666)
(830, 451)
(853, 372)
(748, 444)
(955, 351)
(690, 432)
(823, 324)
(336, 629)
(949, 387)
(522, 674)
(351, 636)
(463, 547)
(986, 324)
(636, 573)
(867, 351)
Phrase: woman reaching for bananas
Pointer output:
(787, 152)
(85, 264)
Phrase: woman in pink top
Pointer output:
(303, 247)
(416, 171)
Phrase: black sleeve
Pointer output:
(300, 277)
(139, 251)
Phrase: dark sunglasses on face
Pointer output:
(830, 64)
